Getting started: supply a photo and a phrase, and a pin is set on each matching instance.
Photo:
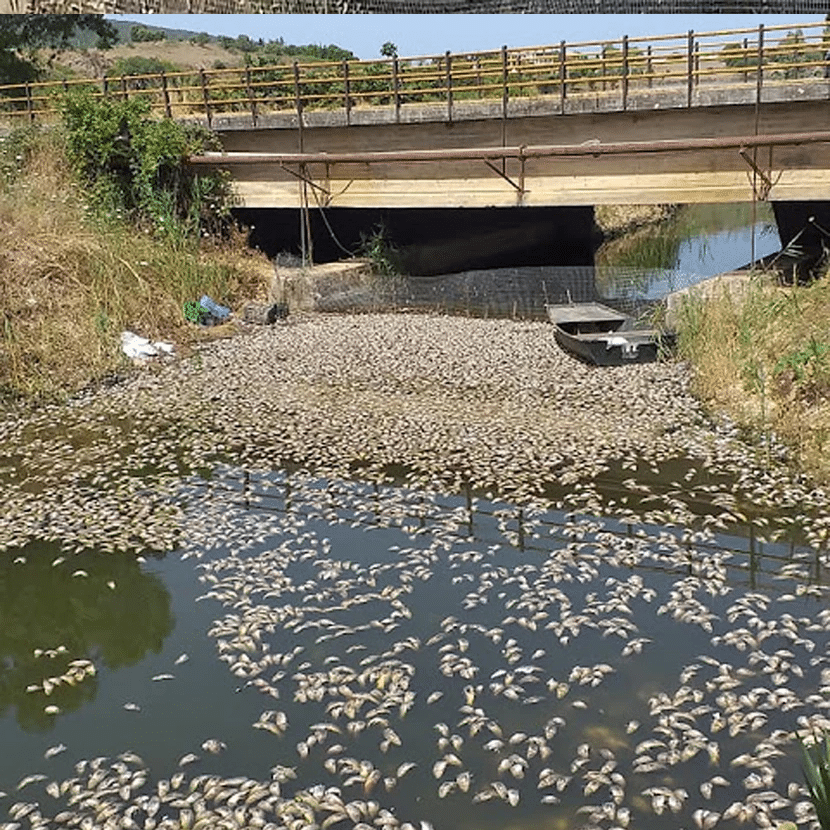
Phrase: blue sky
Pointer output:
(427, 34)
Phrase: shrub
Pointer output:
(135, 166)
(138, 65)
(69, 286)
(141, 34)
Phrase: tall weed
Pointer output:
(71, 279)
(762, 353)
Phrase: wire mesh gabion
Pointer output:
(423, 6)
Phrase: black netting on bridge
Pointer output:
(426, 6)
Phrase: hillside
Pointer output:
(86, 40)
(182, 54)
(185, 49)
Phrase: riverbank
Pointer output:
(616, 220)
(448, 401)
(72, 279)
(762, 355)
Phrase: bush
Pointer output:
(135, 166)
(16, 151)
(138, 65)
(69, 286)
(141, 34)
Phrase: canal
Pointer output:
(630, 272)
(276, 583)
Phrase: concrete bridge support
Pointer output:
(806, 224)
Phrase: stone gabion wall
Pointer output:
(423, 6)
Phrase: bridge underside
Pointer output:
(796, 175)
(635, 182)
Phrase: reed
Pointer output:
(816, 767)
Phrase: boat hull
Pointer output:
(604, 336)
(615, 348)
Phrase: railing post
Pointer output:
(124, 93)
(625, 72)
(205, 97)
(396, 89)
(563, 81)
(697, 63)
(648, 65)
(104, 86)
(690, 58)
(168, 112)
(448, 59)
(743, 60)
(347, 93)
(299, 104)
(250, 91)
(30, 104)
(603, 66)
(504, 92)
(760, 68)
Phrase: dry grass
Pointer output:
(68, 287)
(615, 220)
(763, 355)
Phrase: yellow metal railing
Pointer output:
(610, 73)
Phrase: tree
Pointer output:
(201, 39)
(389, 50)
(141, 34)
(22, 35)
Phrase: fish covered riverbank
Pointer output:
(449, 577)
(490, 404)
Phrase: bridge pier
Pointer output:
(437, 240)
(805, 223)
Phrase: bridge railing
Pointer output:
(591, 74)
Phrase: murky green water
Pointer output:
(546, 659)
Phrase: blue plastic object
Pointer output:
(220, 312)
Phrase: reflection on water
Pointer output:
(631, 272)
(700, 241)
(56, 610)
(533, 664)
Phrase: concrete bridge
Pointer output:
(720, 116)
(711, 117)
